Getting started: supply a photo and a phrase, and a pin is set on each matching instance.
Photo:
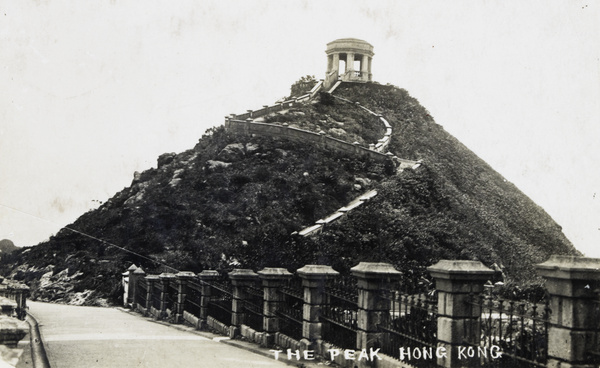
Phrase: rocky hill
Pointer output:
(236, 201)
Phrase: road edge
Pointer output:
(239, 344)
(39, 358)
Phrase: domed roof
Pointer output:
(350, 45)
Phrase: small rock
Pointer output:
(136, 176)
(337, 132)
(177, 173)
(363, 181)
(232, 152)
(165, 159)
(213, 165)
(252, 147)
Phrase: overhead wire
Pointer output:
(94, 238)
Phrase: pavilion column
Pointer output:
(364, 68)
(349, 64)
(350, 50)
(336, 63)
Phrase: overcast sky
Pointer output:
(91, 91)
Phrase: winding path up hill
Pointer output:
(235, 199)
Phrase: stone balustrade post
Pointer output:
(134, 279)
(126, 291)
(150, 281)
(458, 317)
(285, 129)
(573, 284)
(374, 284)
(322, 139)
(273, 279)
(240, 279)
(313, 282)
(22, 301)
(165, 280)
(205, 291)
(181, 280)
(128, 286)
(19, 293)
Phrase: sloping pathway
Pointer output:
(107, 337)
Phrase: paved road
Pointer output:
(107, 337)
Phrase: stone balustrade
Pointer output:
(13, 307)
(374, 313)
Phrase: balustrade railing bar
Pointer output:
(222, 286)
(255, 292)
(254, 315)
(156, 300)
(220, 309)
(518, 329)
(290, 327)
(141, 298)
(171, 296)
(294, 288)
(340, 313)
(338, 332)
(141, 290)
(253, 307)
(412, 322)
(290, 313)
(595, 354)
(192, 307)
(344, 289)
(341, 319)
(192, 299)
(219, 305)
(290, 310)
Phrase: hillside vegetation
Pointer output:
(234, 201)
(7, 246)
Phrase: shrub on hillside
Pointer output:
(303, 85)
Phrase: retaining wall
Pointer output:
(299, 135)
